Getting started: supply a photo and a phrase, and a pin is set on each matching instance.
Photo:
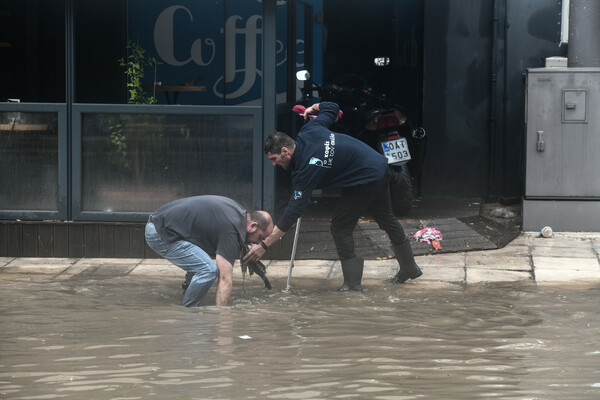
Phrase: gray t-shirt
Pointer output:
(216, 224)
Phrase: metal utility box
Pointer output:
(562, 176)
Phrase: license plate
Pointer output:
(396, 151)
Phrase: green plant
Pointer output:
(134, 139)
(118, 142)
(132, 135)
(134, 64)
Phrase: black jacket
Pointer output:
(323, 158)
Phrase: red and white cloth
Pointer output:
(431, 236)
(301, 109)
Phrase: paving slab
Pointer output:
(302, 268)
(524, 239)
(25, 277)
(498, 262)
(562, 241)
(562, 276)
(102, 266)
(5, 260)
(157, 270)
(446, 274)
(155, 261)
(514, 250)
(569, 252)
(41, 261)
(377, 271)
(480, 275)
(46, 266)
(387, 263)
(456, 260)
(564, 263)
(432, 285)
(114, 269)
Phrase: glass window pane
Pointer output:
(138, 162)
(32, 38)
(99, 78)
(28, 161)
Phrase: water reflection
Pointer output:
(127, 338)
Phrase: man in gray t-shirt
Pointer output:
(192, 231)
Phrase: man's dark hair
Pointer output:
(276, 141)
(261, 218)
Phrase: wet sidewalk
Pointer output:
(563, 258)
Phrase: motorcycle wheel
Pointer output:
(401, 190)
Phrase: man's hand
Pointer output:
(255, 253)
(255, 267)
(312, 110)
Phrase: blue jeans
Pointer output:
(191, 259)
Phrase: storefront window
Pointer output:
(138, 162)
(28, 161)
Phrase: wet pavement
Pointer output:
(565, 257)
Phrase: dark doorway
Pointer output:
(356, 32)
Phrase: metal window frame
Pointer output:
(61, 212)
(76, 177)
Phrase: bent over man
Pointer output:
(190, 232)
(321, 158)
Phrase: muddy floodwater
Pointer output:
(127, 338)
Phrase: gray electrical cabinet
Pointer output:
(562, 176)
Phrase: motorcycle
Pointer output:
(372, 119)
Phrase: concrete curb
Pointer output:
(566, 257)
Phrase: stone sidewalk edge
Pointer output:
(566, 257)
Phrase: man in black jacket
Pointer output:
(321, 158)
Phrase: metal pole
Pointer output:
(293, 254)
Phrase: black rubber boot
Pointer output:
(408, 267)
(353, 271)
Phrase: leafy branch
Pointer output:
(134, 64)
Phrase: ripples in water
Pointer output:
(127, 338)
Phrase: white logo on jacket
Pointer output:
(328, 153)
(316, 161)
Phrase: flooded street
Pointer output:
(127, 338)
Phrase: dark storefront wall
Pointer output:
(475, 146)
(456, 92)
